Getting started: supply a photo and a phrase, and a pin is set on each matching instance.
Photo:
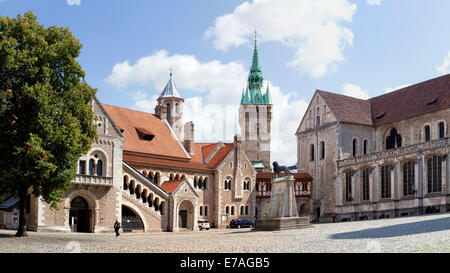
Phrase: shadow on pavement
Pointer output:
(397, 230)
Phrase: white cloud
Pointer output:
(373, 2)
(314, 28)
(389, 89)
(215, 110)
(445, 68)
(73, 2)
(355, 91)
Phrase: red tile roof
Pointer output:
(164, 143)
(418, 99)
(196, 161)
(171, 185)
(266, 176)
(220, 155)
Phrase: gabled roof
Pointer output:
(201, 151)
(171, 185)
(418, 99)
(347, 109)
(132, 122)
(220, 155)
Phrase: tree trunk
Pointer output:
(22, 229)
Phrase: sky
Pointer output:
(362, 48)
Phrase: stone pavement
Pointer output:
(430, 233)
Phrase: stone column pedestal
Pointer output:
(282, 212)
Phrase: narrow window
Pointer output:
(434, 175)
(232, 210)
(365, 146)
(99, 168)
(227, 209)
(366, 185)
(355, 143)
(408, 178)
(394, 140)
(348, 186)
(386, 181)
(427, 133)
(441, 130)
(246, 210)
(206, 210)
(311, 152)
(242, 210)
(322, 150)
(91, 166)
(318, 121)
(82, 166)
(201, 210)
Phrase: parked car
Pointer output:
(238, 223)
(203, 224)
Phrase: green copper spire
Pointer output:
(253, 94)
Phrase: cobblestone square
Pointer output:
(430, 233)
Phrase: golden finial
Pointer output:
(255, 37)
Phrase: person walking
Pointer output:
(334, 217)
(117, 227)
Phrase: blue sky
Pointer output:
(360, 48)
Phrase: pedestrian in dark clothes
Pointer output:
(117, 227)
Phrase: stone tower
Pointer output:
(170, 107)
(255, 115)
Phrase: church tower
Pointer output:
(255, 115)
(170, 107)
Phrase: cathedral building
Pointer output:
(382, 157)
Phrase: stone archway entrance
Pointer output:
(186, 215)
(131, 220)
(79, 215)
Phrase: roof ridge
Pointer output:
(134, 110)
(412, 85)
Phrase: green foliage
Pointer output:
(46, 118)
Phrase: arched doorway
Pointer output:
(79, 215)
(304, 210)
(186, 215)
(130, 220)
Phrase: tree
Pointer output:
(46, 117)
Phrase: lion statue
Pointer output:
(277, 169)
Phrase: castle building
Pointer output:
(147, 171)
(382, 157)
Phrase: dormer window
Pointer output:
(380, 116)
(432, 102)
(145, 134)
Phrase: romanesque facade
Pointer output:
(381, 157)
(147, 171)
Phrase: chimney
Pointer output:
(189, 137)
(238, 147)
